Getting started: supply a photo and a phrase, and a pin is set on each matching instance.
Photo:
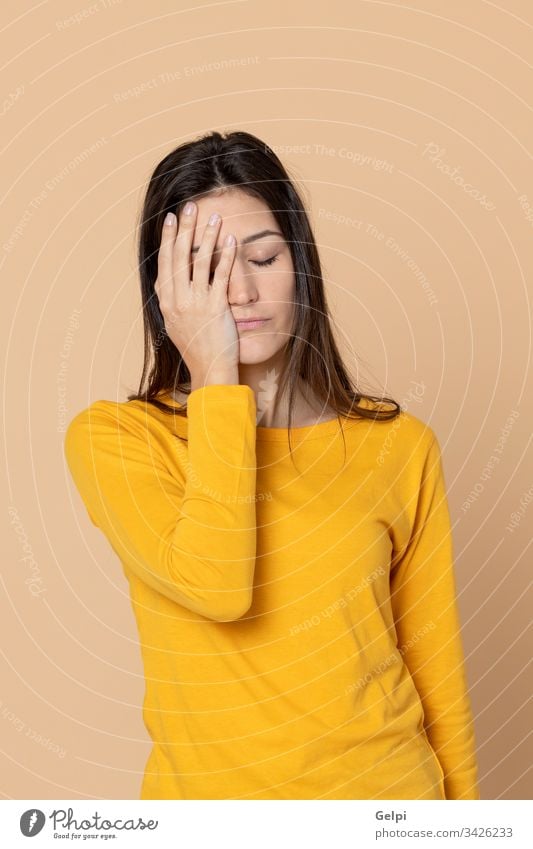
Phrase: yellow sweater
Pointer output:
(298, 626)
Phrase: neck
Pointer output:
(265, 379)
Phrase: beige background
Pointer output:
(418, 125)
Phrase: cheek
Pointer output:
(280, 289)
(287, 300)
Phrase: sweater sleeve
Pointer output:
(190, 536)
(423, 595)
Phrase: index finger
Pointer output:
(181, 249)
(164, 256)
(173, 259)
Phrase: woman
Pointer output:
(295, 597)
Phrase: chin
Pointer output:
(255, 352)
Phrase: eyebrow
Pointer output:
(247, 239)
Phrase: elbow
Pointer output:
(219, 596)
(229, 609)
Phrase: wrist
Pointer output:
(227, 376)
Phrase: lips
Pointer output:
(251, 323)
(251, 318)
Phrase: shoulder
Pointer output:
(109, 439)
(109, 419)
(416, 430)
(100, 412)
(405, 439)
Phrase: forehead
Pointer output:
(238, 210)
(248, 218)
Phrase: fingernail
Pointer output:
(188, 208)
(229, 240)
(169, 219)
(214, 217)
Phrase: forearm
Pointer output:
(214, 542)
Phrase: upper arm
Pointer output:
(128, 492)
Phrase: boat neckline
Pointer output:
(277, 434)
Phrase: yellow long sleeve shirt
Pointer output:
(298, 624)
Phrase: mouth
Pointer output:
(252, 324)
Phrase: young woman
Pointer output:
(286, 537)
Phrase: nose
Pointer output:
(241, 286)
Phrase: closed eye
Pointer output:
(261, 263)
(265, 261)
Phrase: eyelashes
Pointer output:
(260, 263)
(265, 261)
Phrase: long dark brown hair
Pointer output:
(239, 160)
